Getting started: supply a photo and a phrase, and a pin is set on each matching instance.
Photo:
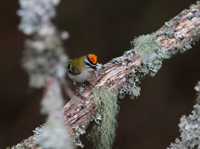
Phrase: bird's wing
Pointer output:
(73, 69)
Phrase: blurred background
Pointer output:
(105, 28)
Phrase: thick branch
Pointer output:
(184, 30)
(114, 74)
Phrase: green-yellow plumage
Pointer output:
(82, 69)
(76, 65)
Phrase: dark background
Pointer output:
(103, 27)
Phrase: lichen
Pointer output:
(78, 131)
(152, 56)
(145, 46)
(196, 31)
(179, 36)
(189, 128)
(186, 47)
(97, 118)
(34, 141)
(103, 134)
(99, 67)
(194, 15)
(54, 135)
(168, 24)
(128, 55)
(131, 86)
(33, 13)
(44, 55)
(18, 146)
(184, 12)
(168, 33)
(177, 17)
(80, 89)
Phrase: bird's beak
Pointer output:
(94, 67)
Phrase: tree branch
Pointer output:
(114, 74)
(174, 37)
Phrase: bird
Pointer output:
(82, 69)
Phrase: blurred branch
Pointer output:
(44, 60)
(123, 75)
(189, 127)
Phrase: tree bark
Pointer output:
(80, 109)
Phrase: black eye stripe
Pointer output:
(88, 64)
(89, 60)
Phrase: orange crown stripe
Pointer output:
(93, 58)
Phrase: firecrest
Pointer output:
(82, 69)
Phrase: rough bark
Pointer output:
(185, 28)
(114, 75)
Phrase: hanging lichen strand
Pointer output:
(106, 107)
(189, 128)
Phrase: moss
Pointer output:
(103, 134)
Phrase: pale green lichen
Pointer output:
(80, 89)
(18, 146)
(184, 12)
(179, 36)
(78, 131)
(189, 128)
(168, 33)
(145, 46)
(150, 52)
(194, 15)
(54, 136)
(103, 134)
(196, 31)
(152, 56)
(131, 86)
(168, 24)
(128, 55)
(177, 17)
(99, 67)
(186, 47)
(97, 118)
(154, 66)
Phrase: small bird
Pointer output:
(83, 68)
